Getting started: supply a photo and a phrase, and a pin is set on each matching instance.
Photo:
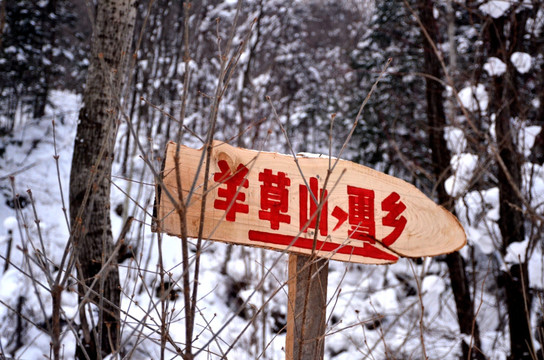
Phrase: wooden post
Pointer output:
(307, 307)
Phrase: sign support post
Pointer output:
(266, 200)
(306, 308)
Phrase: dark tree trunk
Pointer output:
(537, 154)
(49, 24)
(91, 172)
(441, 157)
(504, 104)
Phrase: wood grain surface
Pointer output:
(263, 199)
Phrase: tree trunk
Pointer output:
(511, 222)
(441, 157)
(91, 172)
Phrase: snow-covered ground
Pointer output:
(374, 311)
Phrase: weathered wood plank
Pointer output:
(261, 199)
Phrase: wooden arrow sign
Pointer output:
(266, 200)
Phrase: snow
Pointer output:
(433, 288)
(474, 98)
(495, 8)
(479, 212)
(494, 66)
(313, 155)
(9, 284)
(536, 269)
(237, 269)
(455, 139)
(526, 139)
(315, 73)
(21, 57)
(384, 301)
(516, 252)
(463, 166)
(537, 24)
(533, 183)
(522, 62)
(69, 55)
(10, 224)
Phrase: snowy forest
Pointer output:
(447, 95)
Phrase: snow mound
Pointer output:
(474, 98)
(526, 139)
(455, 139)
(495, 8)
(516, 252)
(495, 67)
(521, 61)
(10, 223)
(463, 167)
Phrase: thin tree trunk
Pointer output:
(91, 172)
(511, 222)
(441, 157)
(49, 22)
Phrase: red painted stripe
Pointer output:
(367, 250)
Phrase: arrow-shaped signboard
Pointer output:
(266, 200)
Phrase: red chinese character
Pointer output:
(233, 198)
(340, 215)
(274, 198)
(395, 208)
(361, 214)
(304, 217)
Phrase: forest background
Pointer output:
(457, 112)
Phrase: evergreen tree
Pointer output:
(394, 122)
(37, 54)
